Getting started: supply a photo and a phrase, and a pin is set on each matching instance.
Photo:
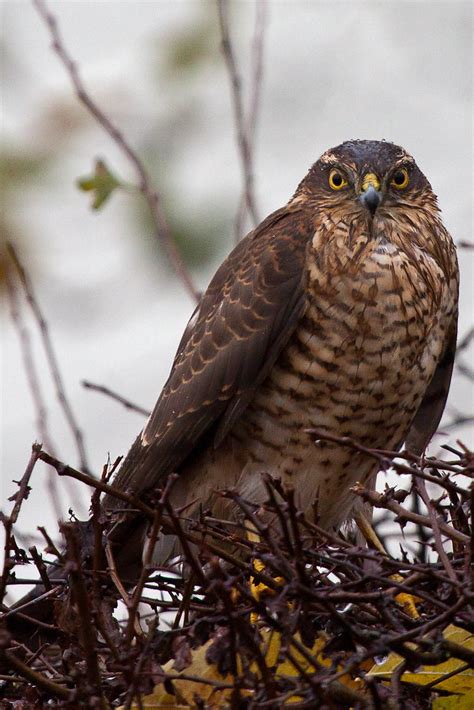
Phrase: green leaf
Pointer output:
(101, 183)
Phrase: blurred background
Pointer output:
(332, 71)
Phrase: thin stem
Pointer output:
(51, 357)
(162, 229)
(245, 128)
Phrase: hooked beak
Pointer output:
(370, 195)
(370, 199)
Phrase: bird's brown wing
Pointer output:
(431, 409)
(243, 321)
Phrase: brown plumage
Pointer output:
(338, 312)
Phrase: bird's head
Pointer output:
(366, 179)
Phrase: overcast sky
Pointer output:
(333, 71)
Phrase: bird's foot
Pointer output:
(405, 600)
(260, 589)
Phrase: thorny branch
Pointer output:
(10, 520)
(163, 231)
(320, 586)
(386, 501)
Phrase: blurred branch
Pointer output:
(435, 526)
(462, 346)
(458, 420)
(466, 341)
(257, 69)
(465, 370)
(41, 411)
(31, 602)
(50, 357)
(117, 397)
(162, 229)
(245, 127)
(32, 376)
(37, 679)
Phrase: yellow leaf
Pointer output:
(461, 682)
(455, 702)
(214, 696)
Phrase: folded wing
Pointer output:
(243, 321)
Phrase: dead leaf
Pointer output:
(460, 683)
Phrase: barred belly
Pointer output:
(357, 370)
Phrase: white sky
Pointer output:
(333, 71)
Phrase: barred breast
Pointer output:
(358, 365)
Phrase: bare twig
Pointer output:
(459, 420)
(435, 526)
(465, 370)
(191, 557)
(33, 379)
(65, 470)
(17, 609)
(382, 500)
(51, 357)
(37, 679)
(114, 576)
(324, 585)
(117, 397)
(386, 459)
(465, 341)
(9, 521)
(245, 128)
(162, 229)
(85, 627)
(147, 560)
(322, 582)
(34, 383)
(41, 567)
(462, 346)
(50, 545)
(257, 70)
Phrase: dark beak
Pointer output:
(370, 199)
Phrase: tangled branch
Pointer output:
(329, 607)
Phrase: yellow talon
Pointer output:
(258, 589)
(407, 601)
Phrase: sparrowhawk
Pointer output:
(338, 312)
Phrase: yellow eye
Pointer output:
(337, 180)
(400, 179)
